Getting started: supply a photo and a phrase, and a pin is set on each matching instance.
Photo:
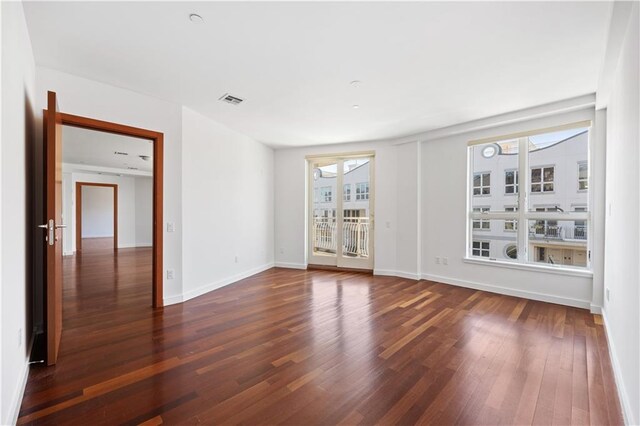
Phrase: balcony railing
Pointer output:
(355, 235)
(558, 232)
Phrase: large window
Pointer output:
(540, 171)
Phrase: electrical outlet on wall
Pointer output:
(608, 294)
(170, 274)
(445, 260)
(236, 259)
(170, 227)
(437, 260)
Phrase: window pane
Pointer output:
(488, 179)
(356, 230)
(558, 163)
(493, 241)
(562, 243)
(324, 209)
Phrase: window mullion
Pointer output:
(523, 190)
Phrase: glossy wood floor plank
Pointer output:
(315, 347)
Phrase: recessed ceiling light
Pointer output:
(355, 83)
(196, 19)
(356, 106)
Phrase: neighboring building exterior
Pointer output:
(559, 182)
(355, 192)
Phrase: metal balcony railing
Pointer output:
(558, 232)
(355, 235)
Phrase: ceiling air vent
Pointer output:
(121, 153)
(233, 100)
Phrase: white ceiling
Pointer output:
(85, 148)
(422, 65)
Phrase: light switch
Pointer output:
(170, 227)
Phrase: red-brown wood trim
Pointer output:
(158, 185)
(79, 186)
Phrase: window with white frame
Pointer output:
(553, 232)
(510, 224)
(481, 224)
(511, 182)
(346, 192)
(482, 183)
(583, 176)
(542, 179)
(481, 248)
(326, 195)
(362, 191)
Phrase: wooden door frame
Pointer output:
(79, 186)
(157, 139)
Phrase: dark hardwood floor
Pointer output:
(315, 347)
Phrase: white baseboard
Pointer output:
(585, 304)
(596, 309)
(135, 245)
(172, 300)
(16, 400)
(290, 265)
(617, 375)
(400, 274)
(213, 286)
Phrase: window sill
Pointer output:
(574, 272)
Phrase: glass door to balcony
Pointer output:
(341, 212)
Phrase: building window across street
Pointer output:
(481, 248)
(346, 192)
(511, 182)
(326, 194)
(482, 184)
(362, 191)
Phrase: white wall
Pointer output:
(97, 211)
(421, 186)
(133, 193)
(290, 204)
(144, 211)
(622, 241)
(444, 195)
(227, 205)
(80, 96)
(17, 142)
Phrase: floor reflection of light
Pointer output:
(340, 318)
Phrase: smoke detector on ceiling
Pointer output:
(230, 99)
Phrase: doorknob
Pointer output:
(51, 234)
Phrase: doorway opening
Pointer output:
(97, 209)
(341, 211)
(129, 162)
